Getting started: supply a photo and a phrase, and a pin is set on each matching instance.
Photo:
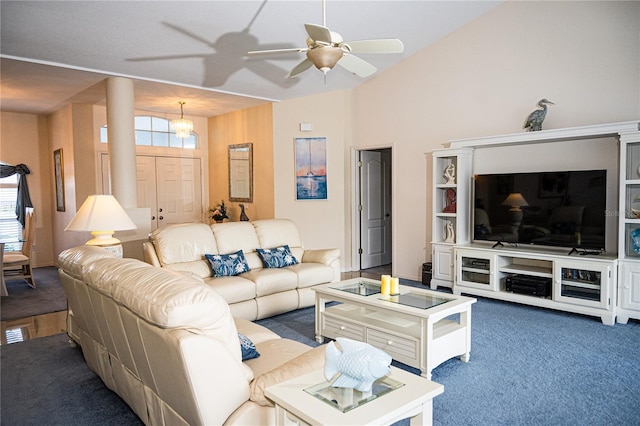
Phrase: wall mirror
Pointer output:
(241, 172)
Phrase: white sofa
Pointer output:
(168, 345)
(261, 292)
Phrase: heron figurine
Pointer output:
(535, 119)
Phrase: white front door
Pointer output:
(170, 187)
(179, 190)
(146, 186)
(375, 227)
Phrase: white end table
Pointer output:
(414, 400)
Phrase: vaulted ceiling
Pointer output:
(55, 52)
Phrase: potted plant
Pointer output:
(219, 213)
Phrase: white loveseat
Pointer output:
(167, 344)
(261, 292)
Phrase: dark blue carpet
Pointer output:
(46, 382)
(24, 301)
(528, 366)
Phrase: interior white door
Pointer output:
(375, 217)
(179, 190)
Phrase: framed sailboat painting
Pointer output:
(311, 168)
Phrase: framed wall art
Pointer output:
(58, 167)
(311, 168)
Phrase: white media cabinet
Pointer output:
(580, 284)
(605, 285)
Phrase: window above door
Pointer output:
(156, 131)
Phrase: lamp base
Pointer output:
(113, 248)
(105, 240)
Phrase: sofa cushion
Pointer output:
(234, 236)
(269, 281)
(183, 243)
(233, 289)
(277, 232)
(277, 257)
(225, 265)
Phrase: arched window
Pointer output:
(156, 131)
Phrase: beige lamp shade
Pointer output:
(515, 200)
(101, 215)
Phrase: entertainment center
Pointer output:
(546, 218)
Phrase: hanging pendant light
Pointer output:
(181, 126)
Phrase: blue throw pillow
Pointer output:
(248, 348)
(225, 265)
(277, 257)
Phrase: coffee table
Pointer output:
(414, 398)
(420, 328)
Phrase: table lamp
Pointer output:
(102, 215)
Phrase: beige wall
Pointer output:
(23, 140)
(252, 125)
(322, 223)
(61, 136)
(483, 80)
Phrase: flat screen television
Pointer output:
(558, 209)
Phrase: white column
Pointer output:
(122, 162)
(122, 144)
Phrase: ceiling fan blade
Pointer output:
(302, 66)
(318, 33)
(383, 45)
(277, 51)
(357, 66)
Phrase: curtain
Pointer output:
(24, 200)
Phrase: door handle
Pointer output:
(387, 215)
(153, 218)
(161, 217)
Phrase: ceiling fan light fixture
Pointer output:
(181, 126)
(324, 57)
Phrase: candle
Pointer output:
(385, 284)
(395, 285)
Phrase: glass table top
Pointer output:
(346, 399)
(363, 288)
(416, 300)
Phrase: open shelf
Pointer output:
(536, 271)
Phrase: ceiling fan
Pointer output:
(326, 48)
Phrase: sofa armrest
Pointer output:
(150, 255)
(302, 364)
(324, 256)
